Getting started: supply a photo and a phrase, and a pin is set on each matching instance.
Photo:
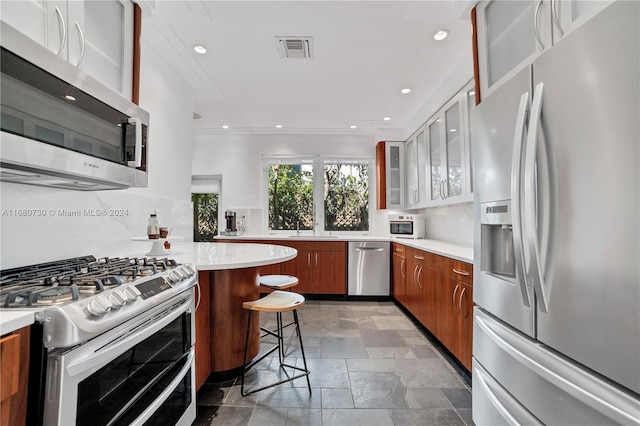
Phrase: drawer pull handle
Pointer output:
(466, 274)
(418, 257)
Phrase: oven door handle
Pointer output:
(92, 356)
(151, 409)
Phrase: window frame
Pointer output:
(318, 162)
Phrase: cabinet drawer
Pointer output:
(456, 269)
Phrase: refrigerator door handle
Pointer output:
(535, 268)
(516, 201)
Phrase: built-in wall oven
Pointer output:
(113, 343)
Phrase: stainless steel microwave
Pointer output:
(407, 226)
(61, 127)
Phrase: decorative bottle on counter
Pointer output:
(153, 231)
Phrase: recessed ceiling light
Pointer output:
(224, 126)
(440, 35)
(353, 126)
(200, 49)
(196, 116)
(387, 118)
(69, 97)
(406, 90)
(278, 126)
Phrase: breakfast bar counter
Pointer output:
(228, 276)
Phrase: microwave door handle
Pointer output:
(137, 161)
(516, 202)
(535, 268)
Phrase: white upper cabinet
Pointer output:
(390, 191)
(439, 155)
(94, 35)
(570, 14)
(449, 152)
(510, 34)
(411, 198)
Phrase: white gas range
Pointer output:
(115, 339)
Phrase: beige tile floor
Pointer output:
(370, 365)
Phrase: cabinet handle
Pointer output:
(465, 315)
(83, 44)
(420, 278)
(399, 250)
(316, 260)
(415, 273)
(308, 260)
(556, 21)
(418, 257)
(465, 273)
(64, 30)
(402, 268)
(453, 299)
(535, 25)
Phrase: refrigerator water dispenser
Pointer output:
(496, 235)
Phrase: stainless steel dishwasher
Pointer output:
(369, 263)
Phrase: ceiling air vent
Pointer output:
(294, 47)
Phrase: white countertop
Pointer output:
(219, 256)
(13, 320)
(464, 254)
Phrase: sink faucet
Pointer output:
(297, 227)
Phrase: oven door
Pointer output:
(141, 372)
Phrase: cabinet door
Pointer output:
(435, 160)
(399, 267)
(101, 41)
(448, 291)
(454, 153)
(570, 14)
(330, 272)
(395, 174)
(430, 284)
(27, 16)
(423, 170)
(508, 38)
(469, 103)
(411, 198)
(464, 335)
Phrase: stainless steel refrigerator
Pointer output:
(557, 233)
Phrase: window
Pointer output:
(205, 198)
(319, 195)
(205, 216)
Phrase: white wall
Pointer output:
(28, 240)
(238, 158)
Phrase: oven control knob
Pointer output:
(99, 306)
(189, 269)
(131, 293)
(117, 299)
(172, 277)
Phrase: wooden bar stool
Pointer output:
(278, 282)
(278, 302)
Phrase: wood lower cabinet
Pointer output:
(320, 266)
(438, 291)
(399, 272)
(14, 375)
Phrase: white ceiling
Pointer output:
(364, 52)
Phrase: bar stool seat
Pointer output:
(278, 282)
(278, 302)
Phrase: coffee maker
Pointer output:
(230, 217)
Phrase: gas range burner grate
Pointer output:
(71, 279)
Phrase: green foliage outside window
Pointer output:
(205, 217)
(290, 197)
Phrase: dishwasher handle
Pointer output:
(369, 249)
